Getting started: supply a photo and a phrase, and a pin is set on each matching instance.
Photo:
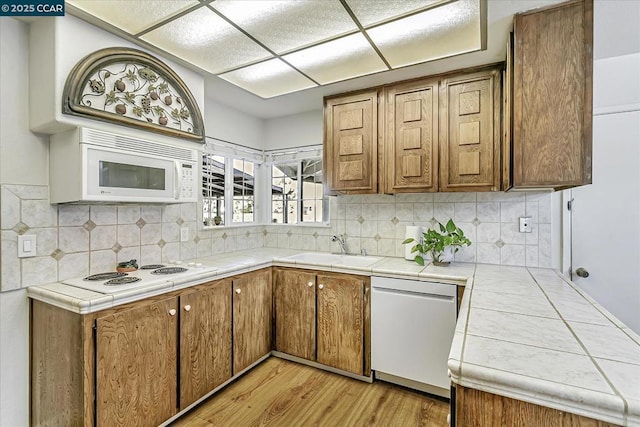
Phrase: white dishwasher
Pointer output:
(412, 326)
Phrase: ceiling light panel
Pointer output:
(268, 79)
(373, 12)
(286, 25)
(132, 16)
(206, 40)
(339, 59)
(437, 33)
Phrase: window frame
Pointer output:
(300, 199)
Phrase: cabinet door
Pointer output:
(136, 374)
(411, 149)
(553, 87)
(340, 322)
(295, 313)
(252, 318)
(205, 340)
(470, 132)
(351, 138)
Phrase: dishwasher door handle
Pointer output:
(412, 293)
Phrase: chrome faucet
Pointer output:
(342, 241)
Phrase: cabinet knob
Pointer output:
(172, 312)
(238, 291)
(320, 286)
(310, 284)
(187, 307)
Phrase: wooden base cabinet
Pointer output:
(136, 353)
(205, 340)
(252, 318)
(324, 317)
(119, 367)
(295, 313)
(479, 408)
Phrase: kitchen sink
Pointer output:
(335, 259)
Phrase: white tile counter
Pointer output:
(523, 333)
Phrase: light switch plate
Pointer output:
(525, 224)
(26, 245)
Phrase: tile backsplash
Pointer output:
(377, 224)
(78, 240)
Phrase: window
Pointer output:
(243, 186)
(213, 179)
(296, 192)
(227, 190)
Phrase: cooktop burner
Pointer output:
(151, 266)
(169, 270)
(122, 281)
(104, 276)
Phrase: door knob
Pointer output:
(172, 312)
(238, 291)
(581, 272)
(310, 284)
(187, 307)
(320, 286)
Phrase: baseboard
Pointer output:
(317, 365)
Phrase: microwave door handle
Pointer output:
(177, 182)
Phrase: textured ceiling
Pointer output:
(271, 48)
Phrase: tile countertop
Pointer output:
(525, 333)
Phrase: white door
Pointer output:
(605, 219)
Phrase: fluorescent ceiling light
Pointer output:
(268, 79)
(119, 13)
(204, 39)
(273, 47)
(289, 24)
(340, 59)
(444, 31)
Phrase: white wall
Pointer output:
(24, 156)
(234, 126)
(294, 131)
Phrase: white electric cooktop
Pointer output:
(147, 275)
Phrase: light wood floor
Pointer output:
(283, 393)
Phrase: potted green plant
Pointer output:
(435, 243)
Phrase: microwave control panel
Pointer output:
(188, 179)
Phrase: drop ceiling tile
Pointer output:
(339, 59)
(290, 24)
(441, 32)
(268, 79)
(119, 13)
(204, 39)
(372, 12)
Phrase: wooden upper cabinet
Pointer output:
(411, 139)
(351, 141)
(205, 340)
(341, 322)
(552, 96)
(136, 376)
(295, 313)
(252, 318)
(470, 132)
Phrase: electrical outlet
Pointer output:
(525, 224)
(184, 234)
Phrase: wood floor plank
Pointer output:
(284, 393)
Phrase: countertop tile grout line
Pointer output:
(625, 414)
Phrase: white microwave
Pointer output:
(89, 165)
